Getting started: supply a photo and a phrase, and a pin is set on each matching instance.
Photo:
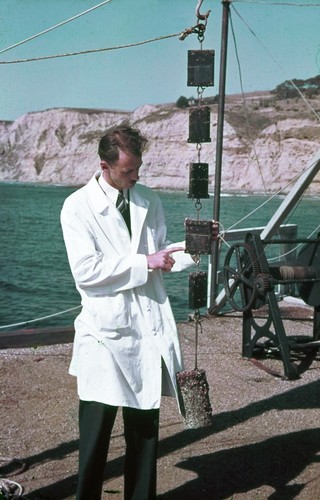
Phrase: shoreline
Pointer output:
(223, 194)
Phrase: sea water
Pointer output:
(35, 280)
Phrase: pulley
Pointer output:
(247, 277)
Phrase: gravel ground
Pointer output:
(263, 442)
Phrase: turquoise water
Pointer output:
(35, 280)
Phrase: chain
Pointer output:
(199, 29)
(198, 326)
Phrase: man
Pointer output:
(126, 349)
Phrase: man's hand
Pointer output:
(163, 259)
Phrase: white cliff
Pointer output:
(262, 152)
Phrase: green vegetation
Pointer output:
(182, 102)
(288, 89)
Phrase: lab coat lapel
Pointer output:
(107, 216)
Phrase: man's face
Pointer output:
(124, 173)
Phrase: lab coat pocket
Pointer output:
(112, 313)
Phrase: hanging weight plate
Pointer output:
(198, 236)
(198, 283)
(200, 68)
(199, 124)
(198, 180)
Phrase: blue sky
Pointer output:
(276, 41)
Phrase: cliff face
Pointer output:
(265, 145)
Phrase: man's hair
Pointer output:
(122, 138)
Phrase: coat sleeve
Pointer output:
(95, 271)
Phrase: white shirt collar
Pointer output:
(110, 191)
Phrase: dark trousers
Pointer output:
(141, 430)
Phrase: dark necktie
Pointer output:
(123, 207)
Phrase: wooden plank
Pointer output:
(35, 337)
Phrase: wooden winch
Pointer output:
(250, 283)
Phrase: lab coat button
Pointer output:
(154, 332)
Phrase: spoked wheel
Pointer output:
(240, 270)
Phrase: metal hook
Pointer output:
(198, 28)
(203, 17)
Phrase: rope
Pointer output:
(270, 259)
(92, 51)
(268, 200)
(54, 27)
(247, 118)
(279, 66)
(6, 486)
(221, 235)
(245, 106)
(24, 323)
(289, 4)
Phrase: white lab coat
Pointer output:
(126, 329)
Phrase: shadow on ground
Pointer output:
(276, 461)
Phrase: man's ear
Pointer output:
(104, 165)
